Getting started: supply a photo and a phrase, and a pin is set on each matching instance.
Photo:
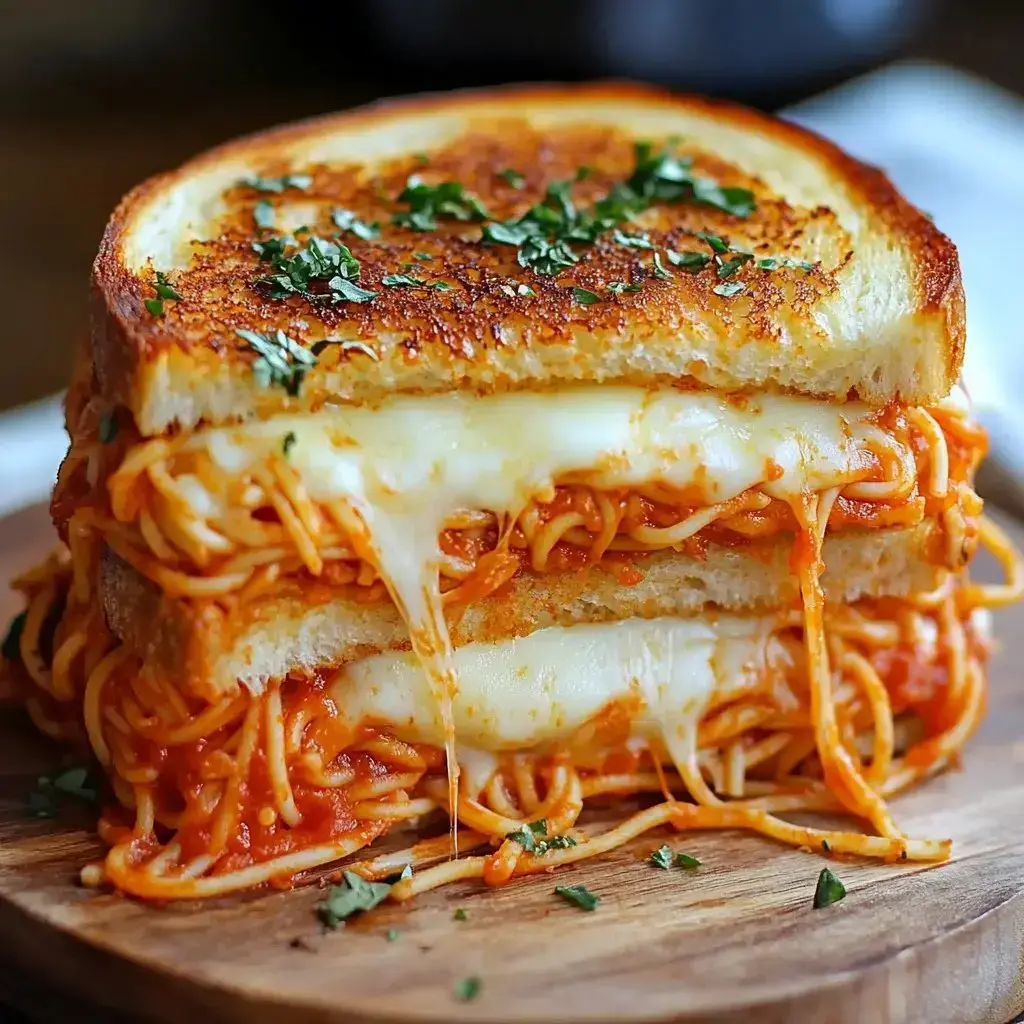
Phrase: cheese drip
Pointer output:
(394, 473)
(534, 692)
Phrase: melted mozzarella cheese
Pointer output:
(393, 474)
(497, 452)
(536, 691)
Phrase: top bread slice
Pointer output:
(860, 295)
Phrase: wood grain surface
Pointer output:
(736, 940)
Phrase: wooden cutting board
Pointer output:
(735, 941)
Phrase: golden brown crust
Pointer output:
(464, 334)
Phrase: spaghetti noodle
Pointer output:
(219, 797)
(167, 509)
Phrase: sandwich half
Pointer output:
(484, 454)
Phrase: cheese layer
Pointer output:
(453, 451)
(535, 691)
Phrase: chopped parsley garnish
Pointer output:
(631, 241)
(578, 895)
(297, 181)
(524, 289)
(402, 281)
(662, 858)
(460, 915)
(825, 848)
(726, 268)
(354, 897)
(345, 346)
(619, 287)
(425, 257)
(526, 835)
(281, 361)
(829, 890)
(468, 989)
(585, 297)
(669, 178)
(717, 244)
(659, 267)
(164, 291)
(108, 427)
(328, 265)
(533, 838)
(288, 442)
(430, 203)
(582, 172)
(12, 639)
(391, 934)
(346, 220)
(263, 214)
(513, 177)
(729, 288)
(774, 262)
(76, 782)
(690, 261)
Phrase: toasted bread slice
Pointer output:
(207, 652)
(858, 295)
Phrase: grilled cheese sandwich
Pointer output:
(482, 454)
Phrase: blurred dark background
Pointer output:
(96, 96)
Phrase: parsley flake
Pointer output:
(356, 896)
(281, 361)
(632, 241)
(12, 639)
(662, 858)
(468, 989)
(76, 782)
(402, 281)
(775, 262)
(460, 915)
(429, 203)
(667, 177)
(726, 268)
(620, 287)
(288, 442)
(684, 860)
(164, 291)
(829, 890)
(330, 266)
(578, 895)
(425, 257)
(729, 289)
(108, 427)
(659, 268)
(585, 297)
(391, 934)
(514, 178)
(346, 220)
(296, 181)
(690, 261)
(345, 346)
(825, 848)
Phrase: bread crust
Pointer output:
(881, 317)
(206, 652)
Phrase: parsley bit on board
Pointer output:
(578, 895)
(356, 896)
(468, 989)
(829, 889)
